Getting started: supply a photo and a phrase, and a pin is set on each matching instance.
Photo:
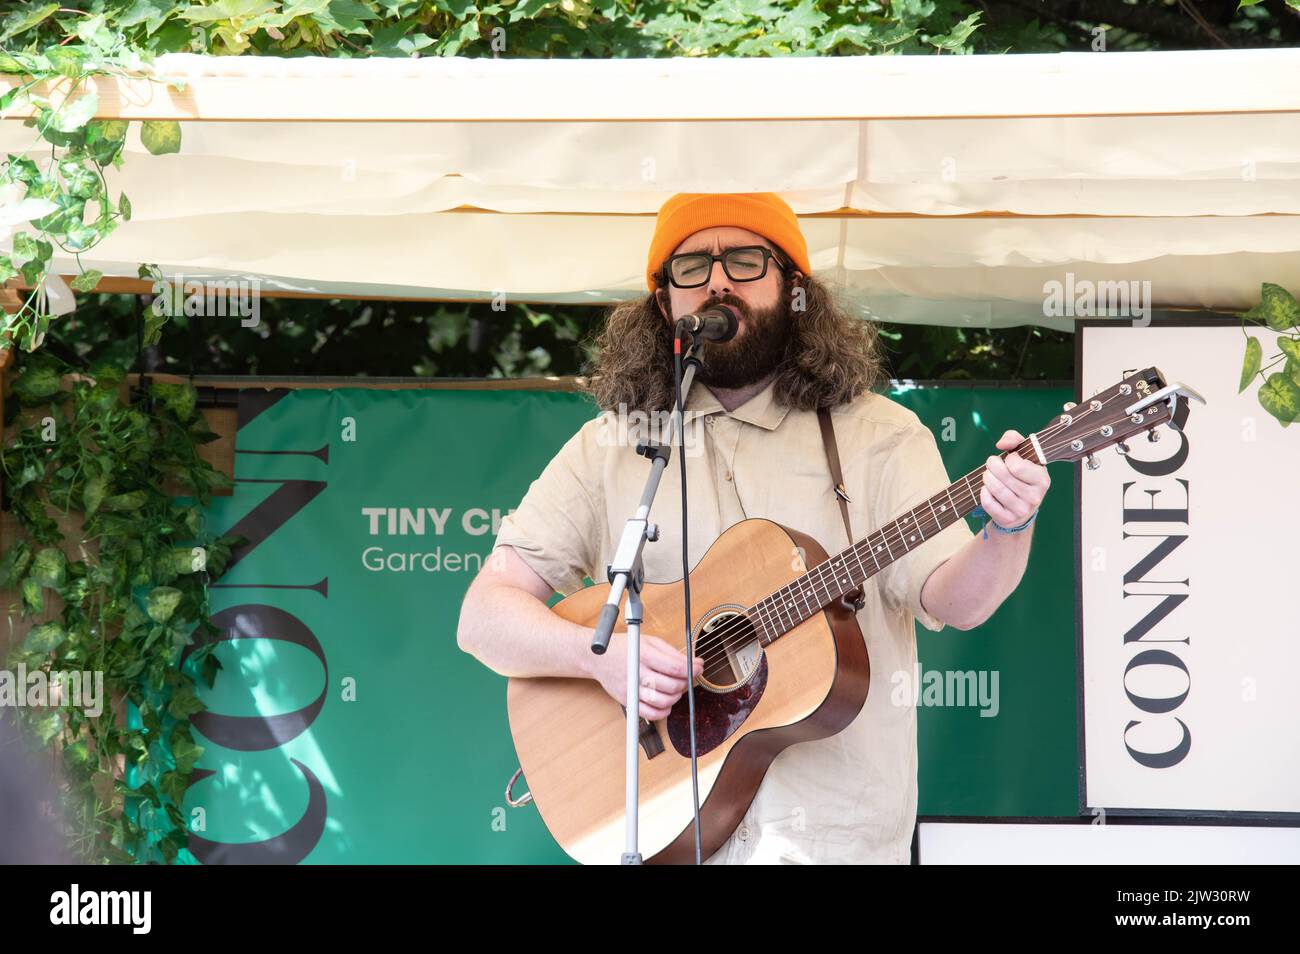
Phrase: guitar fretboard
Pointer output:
(847, 570)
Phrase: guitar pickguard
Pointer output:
(717, 714)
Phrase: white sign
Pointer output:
(1189, 567)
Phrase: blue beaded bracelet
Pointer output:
(979, 512)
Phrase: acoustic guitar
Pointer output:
(784, 658)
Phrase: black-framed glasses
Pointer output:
(745, 263)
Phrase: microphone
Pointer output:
(717, 323)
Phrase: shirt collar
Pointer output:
(762, 409)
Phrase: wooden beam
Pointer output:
(114, 285)
(280, 89)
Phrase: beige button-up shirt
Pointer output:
(850, 798)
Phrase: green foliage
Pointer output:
(66, 200)
(1280, 392)
(934, 352)
(71, 205)
(129, 610)
(339, 337)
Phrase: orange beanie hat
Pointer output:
(763, 212)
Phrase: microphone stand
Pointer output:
(627, 574)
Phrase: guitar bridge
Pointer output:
(649, 738)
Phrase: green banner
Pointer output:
(348, 727)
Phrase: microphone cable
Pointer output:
(686, 579)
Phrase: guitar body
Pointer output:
(751, 703)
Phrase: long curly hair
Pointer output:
(830, 358)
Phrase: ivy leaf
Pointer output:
(1281, 397)
(40, 378)
(527, 9)
(186, 753)
(87, 280)
(69, 61)
(178, 396)
(47, 725)
(128, 501)
(1291, 348)
(399, 39)
(92, 494)
(77, 757)
(960, 33)
(211, 666)
(105, 139)
(150, 12)
(175, 562)
(72, 117)
(192, 519)
(1276, 308)
(112, 130)
(344, 16)
(32, 597)
(185, 703)
(14, 563)
(153, 325)
(161, 136)
(50, 567)
(173, 786)
(45, 638)
(107, 374)
(22, 20)
(135, 746)
(1250, 365)
(226, 10)
(162, 602)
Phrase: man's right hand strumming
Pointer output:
(663, 673)
(506, 624)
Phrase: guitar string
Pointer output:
(714, 645)
(711, 651)
(817, 574)
(717, 643)
(740, 622)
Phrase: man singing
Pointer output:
(758, 452)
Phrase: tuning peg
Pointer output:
(1092, 462)
(1122, 449)
(1068, 405)
(1153, 435)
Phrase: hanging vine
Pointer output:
(133, 584)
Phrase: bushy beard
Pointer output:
(753, 354)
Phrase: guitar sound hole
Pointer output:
(729, 646)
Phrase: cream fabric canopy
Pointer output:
(936, 189)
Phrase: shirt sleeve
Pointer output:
(558, 525)
(911, 473)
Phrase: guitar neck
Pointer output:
(849, 569)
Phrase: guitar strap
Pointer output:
(833, 459)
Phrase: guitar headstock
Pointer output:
(1138, 404)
